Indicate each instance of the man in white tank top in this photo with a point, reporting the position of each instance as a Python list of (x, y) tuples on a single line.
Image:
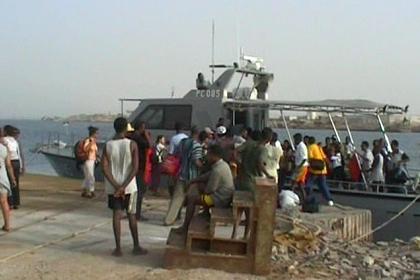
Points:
[(120, 165)]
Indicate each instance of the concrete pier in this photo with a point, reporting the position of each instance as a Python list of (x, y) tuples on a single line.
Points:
[(56, 234)]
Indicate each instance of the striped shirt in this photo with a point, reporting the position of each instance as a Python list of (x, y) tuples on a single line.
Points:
[(190, 152)]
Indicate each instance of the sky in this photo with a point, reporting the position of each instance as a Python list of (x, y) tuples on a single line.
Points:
[(80, 56)]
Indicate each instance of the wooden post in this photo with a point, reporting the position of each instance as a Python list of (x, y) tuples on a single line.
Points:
[(265, 206)]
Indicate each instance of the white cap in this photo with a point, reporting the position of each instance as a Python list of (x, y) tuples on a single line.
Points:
[(221, 130)]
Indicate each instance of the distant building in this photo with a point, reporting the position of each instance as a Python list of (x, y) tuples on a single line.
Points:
[(414, 120), (312, 116)]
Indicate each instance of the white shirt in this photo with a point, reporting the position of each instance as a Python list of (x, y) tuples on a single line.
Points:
[(4, 180), (336, 160), (159, 152), (175, 140), (367, 160), (377, 174), (121, 163), (273, 157), (288, 199), (277, 144), (238, 140), (350, 148), (13, 146), (301, 154)]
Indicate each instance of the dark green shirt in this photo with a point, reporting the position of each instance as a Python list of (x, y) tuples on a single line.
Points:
[(250, 154)]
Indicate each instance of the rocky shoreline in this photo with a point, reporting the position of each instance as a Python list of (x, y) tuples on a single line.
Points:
[(300, 252)]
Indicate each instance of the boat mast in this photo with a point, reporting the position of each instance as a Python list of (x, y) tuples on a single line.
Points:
[(382, 127), (122, 107), (292, 144), (212, 52), (335, 129)]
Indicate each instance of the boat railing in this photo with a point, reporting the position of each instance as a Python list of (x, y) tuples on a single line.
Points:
[(374, 187), (56, 143)]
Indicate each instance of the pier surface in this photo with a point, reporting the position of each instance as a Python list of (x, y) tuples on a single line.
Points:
[(56, 234)]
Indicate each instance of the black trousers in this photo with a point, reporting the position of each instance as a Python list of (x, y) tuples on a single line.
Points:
[(141, 191), (14, 200)]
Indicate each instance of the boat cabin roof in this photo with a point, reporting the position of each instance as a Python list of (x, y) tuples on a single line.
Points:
[(357, 106)]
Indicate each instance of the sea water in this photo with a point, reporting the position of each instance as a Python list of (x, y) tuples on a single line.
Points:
[(36, 132)]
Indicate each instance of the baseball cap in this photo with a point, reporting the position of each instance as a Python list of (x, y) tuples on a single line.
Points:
[(221, 130), (130, 128)]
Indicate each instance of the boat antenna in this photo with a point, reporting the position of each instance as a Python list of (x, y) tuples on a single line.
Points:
[(238, 47), (212, 51), (172, 92)]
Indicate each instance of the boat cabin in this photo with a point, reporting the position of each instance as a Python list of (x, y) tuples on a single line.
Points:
[(205, 105)]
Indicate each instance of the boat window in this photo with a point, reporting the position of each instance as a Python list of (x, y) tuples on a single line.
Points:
[(153, 116), (177, 113), (165, 116)]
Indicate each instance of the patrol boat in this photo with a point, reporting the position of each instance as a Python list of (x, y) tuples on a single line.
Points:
[(239, 96), (202, 106), (249, 106)]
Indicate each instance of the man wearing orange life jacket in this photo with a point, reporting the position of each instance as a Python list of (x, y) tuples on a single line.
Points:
[(317, 171)]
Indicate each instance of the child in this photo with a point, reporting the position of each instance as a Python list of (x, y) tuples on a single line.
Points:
[(160, 151)]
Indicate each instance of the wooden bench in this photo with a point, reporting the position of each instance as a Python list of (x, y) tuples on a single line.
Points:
[(200, 247), (243, 202), (198, 234)]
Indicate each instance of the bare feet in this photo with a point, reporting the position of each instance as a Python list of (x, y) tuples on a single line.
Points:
[(137, 251), (117, 253), (6, 229), (90, 195)]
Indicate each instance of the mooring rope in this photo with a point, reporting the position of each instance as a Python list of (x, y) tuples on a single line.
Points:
[(388, 221)]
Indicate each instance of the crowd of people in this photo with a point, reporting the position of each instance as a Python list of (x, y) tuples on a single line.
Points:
[(205, 167)]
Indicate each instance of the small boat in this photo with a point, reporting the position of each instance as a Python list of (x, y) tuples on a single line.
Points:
[(60, 144), (63, 161)]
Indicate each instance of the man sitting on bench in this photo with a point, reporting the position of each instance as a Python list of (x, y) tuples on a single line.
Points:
[(215, 188)]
